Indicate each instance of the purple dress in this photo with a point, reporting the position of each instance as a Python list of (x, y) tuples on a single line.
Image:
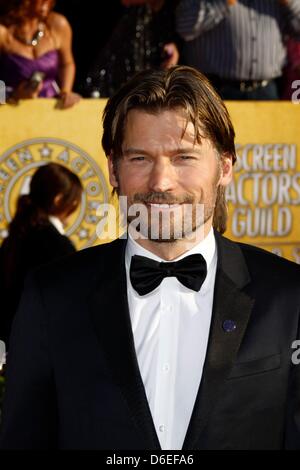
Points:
[(14, 68)]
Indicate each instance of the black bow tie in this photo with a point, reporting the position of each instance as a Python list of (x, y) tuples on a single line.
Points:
[(147, 274)]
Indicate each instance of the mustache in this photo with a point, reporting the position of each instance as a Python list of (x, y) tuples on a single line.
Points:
[(162, 198)]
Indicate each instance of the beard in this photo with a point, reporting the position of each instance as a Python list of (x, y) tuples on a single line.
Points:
[(179, 218)]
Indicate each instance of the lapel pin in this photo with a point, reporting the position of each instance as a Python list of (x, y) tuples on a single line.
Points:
[(229, 326)]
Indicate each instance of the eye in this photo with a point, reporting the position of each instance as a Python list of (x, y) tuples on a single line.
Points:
[(137, 159), (187, 157)]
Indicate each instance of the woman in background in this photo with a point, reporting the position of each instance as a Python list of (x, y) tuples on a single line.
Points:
[(36, 233), (36, 57)]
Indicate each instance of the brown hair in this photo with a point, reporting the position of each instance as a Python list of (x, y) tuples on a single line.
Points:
[(18, 11), (47, 183), (179, 87)]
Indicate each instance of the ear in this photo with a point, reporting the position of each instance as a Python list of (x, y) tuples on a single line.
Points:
[(226, 170), (112, 173)]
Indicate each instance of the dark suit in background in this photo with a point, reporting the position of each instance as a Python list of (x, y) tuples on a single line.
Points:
[(92, 23), (41, 244), (73, 379)]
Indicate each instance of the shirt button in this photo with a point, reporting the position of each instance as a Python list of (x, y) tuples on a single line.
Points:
[(161, 428), (166, 368)]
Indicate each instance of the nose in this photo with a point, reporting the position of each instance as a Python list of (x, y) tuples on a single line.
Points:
[(162, 177)]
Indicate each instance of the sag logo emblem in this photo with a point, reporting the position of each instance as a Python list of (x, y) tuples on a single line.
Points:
[(18, 163)]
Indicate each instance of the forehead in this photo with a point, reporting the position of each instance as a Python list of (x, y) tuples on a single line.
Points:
[(166, 126)]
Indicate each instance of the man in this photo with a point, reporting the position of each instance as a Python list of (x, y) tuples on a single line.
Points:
[(161, 341), (239, 44)]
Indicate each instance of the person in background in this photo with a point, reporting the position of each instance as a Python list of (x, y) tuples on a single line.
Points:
[(36, 233), (36, 57), (291, 72), (238, 44), (88, 37), (144, 38)]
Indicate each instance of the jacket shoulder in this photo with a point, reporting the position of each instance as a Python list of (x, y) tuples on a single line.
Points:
[(81, 266), (256, 254), (263, 264)]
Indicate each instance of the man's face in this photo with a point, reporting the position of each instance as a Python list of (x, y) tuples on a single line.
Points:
[(163, 169)]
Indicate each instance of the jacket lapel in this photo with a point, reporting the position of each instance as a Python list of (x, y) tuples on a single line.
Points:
[(230, 303), (110, 314)]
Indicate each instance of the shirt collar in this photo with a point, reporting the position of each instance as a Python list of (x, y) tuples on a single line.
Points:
[(207, 248), (57, 224)]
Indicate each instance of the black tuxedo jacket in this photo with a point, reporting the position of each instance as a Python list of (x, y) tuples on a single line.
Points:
[(73, 380)]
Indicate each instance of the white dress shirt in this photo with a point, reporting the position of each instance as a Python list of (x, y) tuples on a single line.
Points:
[(170, 327), (57, 224)]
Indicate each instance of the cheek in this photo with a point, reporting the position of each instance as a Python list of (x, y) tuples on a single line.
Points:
[(195, 178), (131, 182)]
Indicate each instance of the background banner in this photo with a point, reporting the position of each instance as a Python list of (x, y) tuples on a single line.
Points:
[(264, 198)]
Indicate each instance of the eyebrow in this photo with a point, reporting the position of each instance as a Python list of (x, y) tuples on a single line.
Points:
[(136, 151)]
